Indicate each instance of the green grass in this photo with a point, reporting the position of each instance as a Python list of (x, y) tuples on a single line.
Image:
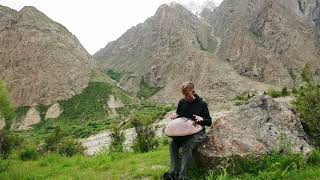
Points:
[(103, 166), (151, 165)]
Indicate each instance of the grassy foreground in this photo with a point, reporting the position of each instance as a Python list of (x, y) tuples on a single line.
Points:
[(129, 165)]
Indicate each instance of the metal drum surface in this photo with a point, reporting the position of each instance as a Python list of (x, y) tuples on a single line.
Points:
[(181, 127)]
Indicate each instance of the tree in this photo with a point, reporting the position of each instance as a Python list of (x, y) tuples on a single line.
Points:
[(7, 108)]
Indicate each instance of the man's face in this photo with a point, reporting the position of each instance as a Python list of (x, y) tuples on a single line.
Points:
[(188, 95)]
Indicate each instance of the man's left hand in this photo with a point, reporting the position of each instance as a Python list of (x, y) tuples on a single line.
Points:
[(198, 118)]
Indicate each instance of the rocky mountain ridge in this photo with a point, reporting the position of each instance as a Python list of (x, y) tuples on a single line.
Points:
[(41, 61), (169, 48)]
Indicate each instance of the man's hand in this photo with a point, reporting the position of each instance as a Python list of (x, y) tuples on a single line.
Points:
[(198, 118), (174, 116)]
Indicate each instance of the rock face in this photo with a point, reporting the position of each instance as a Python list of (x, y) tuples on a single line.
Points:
[(113, 103), (251, 130), (169, 48), (264, 39), (40, 60), (25, 122), (54, 111)]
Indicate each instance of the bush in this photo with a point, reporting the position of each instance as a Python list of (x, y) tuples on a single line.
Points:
[(274, 93), (285, 92), (70, 147), (51, 142), (8, 142), (29, 153), (146, 139), (59, 142), (117, 140)]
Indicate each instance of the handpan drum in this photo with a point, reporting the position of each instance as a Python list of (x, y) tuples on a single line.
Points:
[(181, 127)]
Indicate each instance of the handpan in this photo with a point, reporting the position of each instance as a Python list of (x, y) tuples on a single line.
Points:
[(181, 127)]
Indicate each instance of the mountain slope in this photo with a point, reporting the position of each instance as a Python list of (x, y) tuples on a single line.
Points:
[(265, 39), (169, 48), (41, 61)]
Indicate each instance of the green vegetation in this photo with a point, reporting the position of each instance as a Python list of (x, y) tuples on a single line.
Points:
[(91, 103), (7, 108), (307, 102), (146, 139), (115, 75), (131, 165), (275, 94), (243, 97), (29, 153), (117, 140), (147, 91), (255, 34)]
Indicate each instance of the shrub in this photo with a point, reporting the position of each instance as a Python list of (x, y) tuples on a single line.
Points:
[(274, 93), (146, 139), (8, 142), (29, 153), (285, 92), (117, 140), (51, 142), (59, 142), (70, 147)]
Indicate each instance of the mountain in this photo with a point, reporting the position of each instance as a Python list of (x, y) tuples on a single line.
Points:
[(173, 46), (265, 40), (40, 60)]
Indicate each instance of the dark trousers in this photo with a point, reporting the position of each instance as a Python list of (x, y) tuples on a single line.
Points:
[(187, 144)]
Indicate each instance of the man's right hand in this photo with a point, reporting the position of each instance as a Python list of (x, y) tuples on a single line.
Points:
[(174, 116)]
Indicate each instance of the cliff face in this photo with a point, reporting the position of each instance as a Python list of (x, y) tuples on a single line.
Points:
[(169, 48), (264, 39), (40, 60)]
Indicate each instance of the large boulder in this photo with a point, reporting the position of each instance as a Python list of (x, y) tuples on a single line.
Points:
[(26, 122), (251, 130), (54, 111)]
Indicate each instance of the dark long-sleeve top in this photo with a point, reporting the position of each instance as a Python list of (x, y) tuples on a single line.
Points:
[(196, 107)]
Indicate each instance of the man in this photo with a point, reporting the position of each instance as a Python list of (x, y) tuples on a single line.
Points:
[(193, 107)]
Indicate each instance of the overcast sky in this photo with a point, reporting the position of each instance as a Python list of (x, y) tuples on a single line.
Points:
[(95, 22)]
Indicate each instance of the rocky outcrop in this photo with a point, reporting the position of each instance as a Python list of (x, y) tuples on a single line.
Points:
[(53, 111), (169, 48), (40, 60), (264, 39), (26, 122), (252, 130), (113, 103)]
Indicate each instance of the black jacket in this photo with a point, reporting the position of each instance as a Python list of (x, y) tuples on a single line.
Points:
[(196, 107)]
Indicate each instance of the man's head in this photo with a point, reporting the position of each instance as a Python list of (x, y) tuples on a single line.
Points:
[(187, 90)]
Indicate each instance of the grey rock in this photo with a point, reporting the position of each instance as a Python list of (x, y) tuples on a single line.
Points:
[(250, 130)]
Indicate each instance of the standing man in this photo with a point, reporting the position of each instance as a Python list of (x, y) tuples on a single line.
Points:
[(193, 107)]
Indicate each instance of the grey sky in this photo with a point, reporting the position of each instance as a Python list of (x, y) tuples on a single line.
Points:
[(95, 22)]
